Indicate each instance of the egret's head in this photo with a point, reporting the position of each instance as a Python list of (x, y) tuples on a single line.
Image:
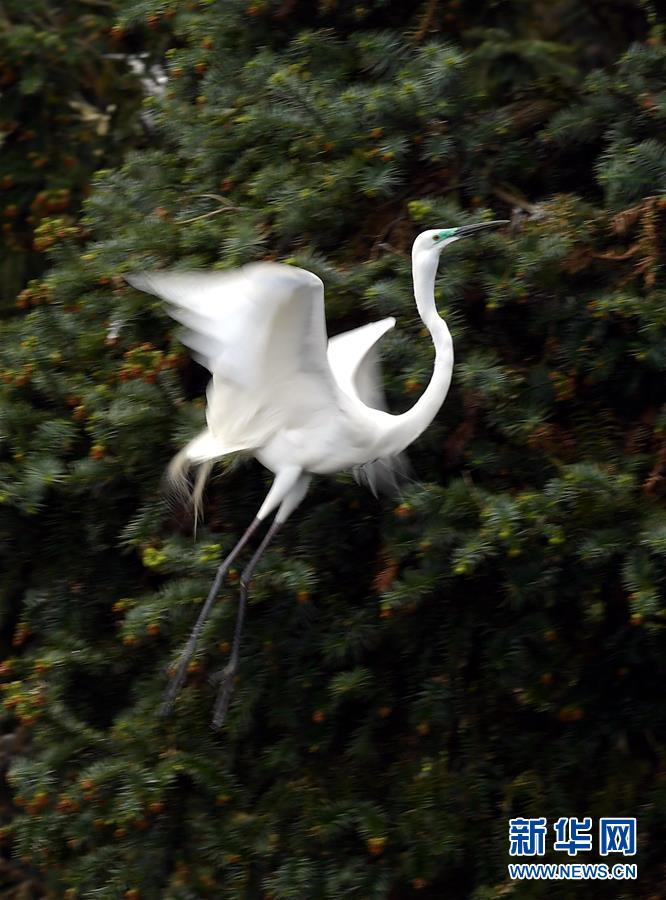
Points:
[(433, 242)]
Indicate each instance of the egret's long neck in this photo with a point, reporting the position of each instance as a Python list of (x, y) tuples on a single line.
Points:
[(408, 426)]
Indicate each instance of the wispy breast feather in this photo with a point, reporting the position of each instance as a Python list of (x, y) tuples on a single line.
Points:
[(356, 366)]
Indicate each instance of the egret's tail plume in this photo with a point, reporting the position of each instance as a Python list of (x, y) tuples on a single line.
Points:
[(181, 485), (202, 452)]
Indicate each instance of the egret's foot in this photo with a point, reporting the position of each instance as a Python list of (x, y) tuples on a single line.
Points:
[(179, 679), (224, 697)]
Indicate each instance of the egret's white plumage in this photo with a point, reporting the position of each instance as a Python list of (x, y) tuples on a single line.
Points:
[(281, 391)]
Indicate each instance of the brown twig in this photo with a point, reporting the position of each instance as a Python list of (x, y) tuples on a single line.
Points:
[(514, 200), (101, 4), (427, 21), (656, 476), (225, 206)]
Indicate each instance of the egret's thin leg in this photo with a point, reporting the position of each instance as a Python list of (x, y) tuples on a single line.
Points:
[(230, 670), (293, 487), (188, 651)]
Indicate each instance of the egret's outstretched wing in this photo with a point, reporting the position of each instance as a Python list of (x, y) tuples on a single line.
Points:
[(248, 326), (261, 332), (355, 363)]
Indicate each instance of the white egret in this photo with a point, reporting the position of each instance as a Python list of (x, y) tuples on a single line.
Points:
[(302, 405)]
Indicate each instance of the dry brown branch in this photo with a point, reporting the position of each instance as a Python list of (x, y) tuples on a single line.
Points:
[(285, 9), (646, 249), (387, 572)]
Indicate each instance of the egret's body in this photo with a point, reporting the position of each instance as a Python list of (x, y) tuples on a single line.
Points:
[(303, 405)]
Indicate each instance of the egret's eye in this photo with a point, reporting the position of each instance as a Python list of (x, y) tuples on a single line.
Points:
[(445, 234)]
